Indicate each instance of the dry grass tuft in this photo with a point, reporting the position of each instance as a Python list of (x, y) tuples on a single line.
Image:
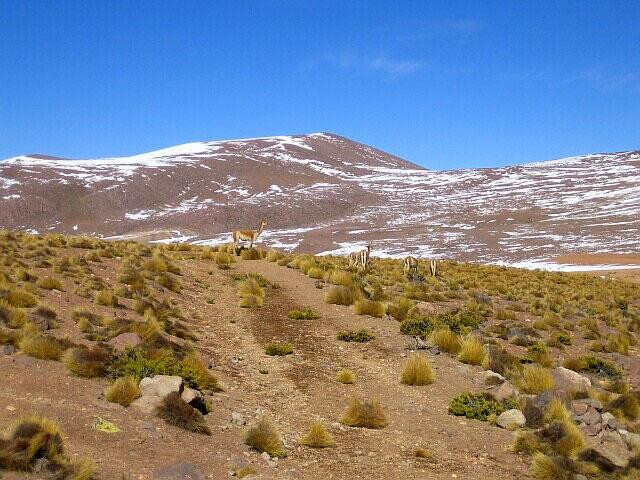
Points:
[(49, 283), (339, 295), (367, 414), (446, 340), (317, 436), (369, 307), (557, 411), (123, 391), (86, 362), (175, 411), (472, 351), (417, 371), (278, 349), (534, 379), (41, 346), (264, 437), (345, 376), (552, 468)]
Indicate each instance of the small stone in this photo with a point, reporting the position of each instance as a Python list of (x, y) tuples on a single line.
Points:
[(511, 418), (7, 349), (416, 343), (265, 456), (11, 408), (579, 408), (591, 417), (160, 385), (237, 419)]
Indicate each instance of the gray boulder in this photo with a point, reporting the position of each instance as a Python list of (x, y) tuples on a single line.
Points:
[(610, 454), (511, 418), (536, 406), (160, 385), (492, 378), (631, 439), (503, 391), (146, 403), (570, 381)]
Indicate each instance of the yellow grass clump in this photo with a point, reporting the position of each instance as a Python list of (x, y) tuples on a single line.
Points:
[(472, 351), (264, 437), (86, 362), (369, 307), (317, 436), (123, 391), (446, 340), (534, 379), (367, 414), (339, 295), (417, 371), (345, 376), (49, 283)]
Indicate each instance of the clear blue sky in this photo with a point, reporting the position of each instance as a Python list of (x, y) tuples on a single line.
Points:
[(443, 84)]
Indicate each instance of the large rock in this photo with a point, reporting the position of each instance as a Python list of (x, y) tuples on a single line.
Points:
[(536, 406), (492, 378), (511, 418), (631, 439), (160, 385), (146, 403), (125, 340), (503, 391), (611, 453), (195, 399), (179, 471), (570, 381)]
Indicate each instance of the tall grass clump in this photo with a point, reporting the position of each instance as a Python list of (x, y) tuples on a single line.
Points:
[(345, 376), (472, 351), (317, 436), (417, 371), (534, 379), (364, 413), (49, 283), (369, 307), (339, 295), (446, 340), (86, 362), (123, 391), (41, 346), (175, 411), (223, 260), (340, 277), (264, 437)]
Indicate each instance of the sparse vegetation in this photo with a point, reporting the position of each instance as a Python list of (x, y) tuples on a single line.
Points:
[(305, 314), (369, 307), (278, 349), (446, 340), (479, 406), (345, 376), (339, 295), (472, 351), (86, 362)]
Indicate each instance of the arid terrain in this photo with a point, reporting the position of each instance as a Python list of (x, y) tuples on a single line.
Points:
[(263, 339), (325, 193)]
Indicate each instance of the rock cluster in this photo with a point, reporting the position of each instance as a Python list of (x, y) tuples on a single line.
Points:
[(154, 389)]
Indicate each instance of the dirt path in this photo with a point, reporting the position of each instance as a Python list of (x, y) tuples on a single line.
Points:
[(468, 449)]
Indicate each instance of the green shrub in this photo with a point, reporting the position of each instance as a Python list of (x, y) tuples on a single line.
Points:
[(479, 406), (419, 325), (359, 336), (595, 365), (305, 314), (278, 349)]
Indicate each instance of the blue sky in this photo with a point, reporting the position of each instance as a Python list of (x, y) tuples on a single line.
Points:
[(442, 84)]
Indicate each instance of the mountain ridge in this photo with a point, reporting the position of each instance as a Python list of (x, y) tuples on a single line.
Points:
[(324, 193)]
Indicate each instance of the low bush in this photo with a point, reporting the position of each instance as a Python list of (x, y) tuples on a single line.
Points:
[(364, 413), (595, 365), (123, 391), (359, 336), (250, 254), (175, 411), (317, 436), (479, 406), (264, 437), (419, 325), (417, 371), (369, 307), (278, 349), (304, 314)]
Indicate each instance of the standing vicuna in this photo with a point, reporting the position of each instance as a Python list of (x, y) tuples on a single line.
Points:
[(360, 259), (410, 265), (433, 268), (246, 234)]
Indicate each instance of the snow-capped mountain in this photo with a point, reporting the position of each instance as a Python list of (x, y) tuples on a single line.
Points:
[(325, 193)]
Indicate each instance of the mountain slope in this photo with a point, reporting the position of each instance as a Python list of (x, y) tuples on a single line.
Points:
[(325, 193)]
